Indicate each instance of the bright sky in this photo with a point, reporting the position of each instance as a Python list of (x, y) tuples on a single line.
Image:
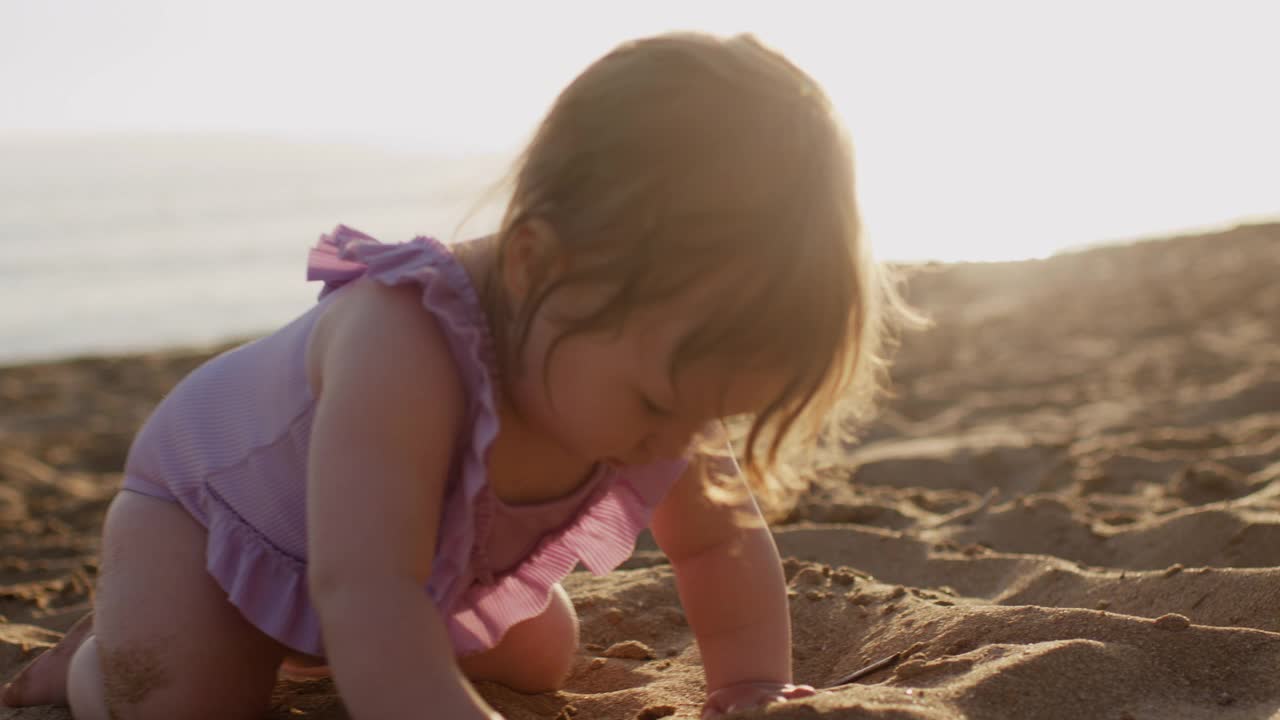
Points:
[(983, 129)]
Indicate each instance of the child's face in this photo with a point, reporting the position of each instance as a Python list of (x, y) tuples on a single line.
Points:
[(608, 396)]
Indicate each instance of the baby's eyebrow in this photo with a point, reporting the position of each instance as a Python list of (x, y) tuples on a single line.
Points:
[(708, 405), (661, 390), (669, 398)]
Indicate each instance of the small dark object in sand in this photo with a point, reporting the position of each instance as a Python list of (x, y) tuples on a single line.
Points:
[(873, 667)]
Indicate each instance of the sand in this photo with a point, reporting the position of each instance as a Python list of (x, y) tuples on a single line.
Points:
[(1068, 511)]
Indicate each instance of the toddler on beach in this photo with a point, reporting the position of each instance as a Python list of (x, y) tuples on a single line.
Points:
[(391, 488)]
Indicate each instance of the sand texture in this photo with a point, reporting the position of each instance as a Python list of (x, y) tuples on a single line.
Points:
[(1070, 510)]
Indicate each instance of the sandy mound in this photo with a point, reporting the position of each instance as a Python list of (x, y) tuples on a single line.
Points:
[(1067, 512)]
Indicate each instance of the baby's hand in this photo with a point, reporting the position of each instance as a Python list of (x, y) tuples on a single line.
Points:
[(747, 695)]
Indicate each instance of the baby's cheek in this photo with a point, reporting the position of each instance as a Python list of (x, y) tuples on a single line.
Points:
[(606, 432), (580, 423)]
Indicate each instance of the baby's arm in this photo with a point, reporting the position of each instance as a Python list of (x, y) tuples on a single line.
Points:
[(731, 584), (388, 411)]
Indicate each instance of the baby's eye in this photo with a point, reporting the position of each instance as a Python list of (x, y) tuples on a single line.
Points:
[(654, 408)]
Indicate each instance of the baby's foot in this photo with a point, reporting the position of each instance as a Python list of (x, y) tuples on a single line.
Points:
[(44, 680)]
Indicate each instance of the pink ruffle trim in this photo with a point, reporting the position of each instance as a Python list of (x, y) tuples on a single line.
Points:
[(261, 579)]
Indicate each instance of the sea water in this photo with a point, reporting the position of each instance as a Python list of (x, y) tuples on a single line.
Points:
[(126, 243)]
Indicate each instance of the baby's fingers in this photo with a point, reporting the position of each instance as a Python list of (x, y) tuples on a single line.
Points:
[(752, 695), (795, 692)]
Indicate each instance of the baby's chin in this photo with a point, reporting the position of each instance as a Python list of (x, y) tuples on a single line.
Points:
[(625, 461), (635, 460)]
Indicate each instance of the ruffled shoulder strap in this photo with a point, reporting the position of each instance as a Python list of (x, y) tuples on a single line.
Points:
[(447, 292)]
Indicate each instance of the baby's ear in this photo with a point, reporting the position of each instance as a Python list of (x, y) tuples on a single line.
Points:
[(531, 254)]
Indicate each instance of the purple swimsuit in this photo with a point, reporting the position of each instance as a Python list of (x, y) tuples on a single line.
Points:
[(229, 444)]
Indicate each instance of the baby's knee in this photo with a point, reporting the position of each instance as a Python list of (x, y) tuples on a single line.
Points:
[(136, 684), (560, 616), (559, 641), (535, 655), (547, 646), (85, 683), (114, 685)]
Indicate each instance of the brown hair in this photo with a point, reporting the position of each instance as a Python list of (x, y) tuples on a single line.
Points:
[(680, 155)]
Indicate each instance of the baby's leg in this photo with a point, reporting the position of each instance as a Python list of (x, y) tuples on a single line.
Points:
[(535, 655), (166, 642)]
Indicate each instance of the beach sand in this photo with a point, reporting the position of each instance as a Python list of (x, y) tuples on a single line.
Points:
[(1070, 510)]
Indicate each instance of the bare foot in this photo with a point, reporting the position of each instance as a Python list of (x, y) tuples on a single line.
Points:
[(44, 680)]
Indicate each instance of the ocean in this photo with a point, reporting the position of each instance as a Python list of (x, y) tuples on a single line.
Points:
[(129, 243)]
